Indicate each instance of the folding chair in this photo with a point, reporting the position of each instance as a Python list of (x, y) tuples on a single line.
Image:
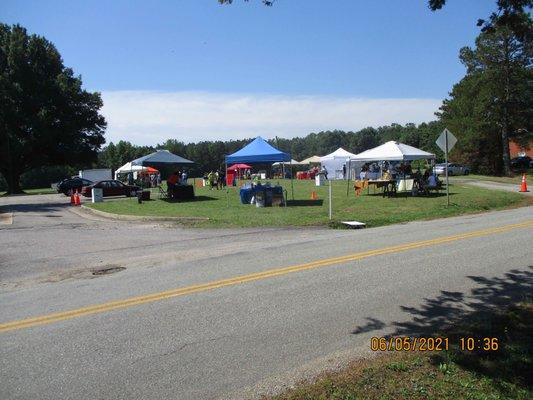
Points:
[(163, 194)]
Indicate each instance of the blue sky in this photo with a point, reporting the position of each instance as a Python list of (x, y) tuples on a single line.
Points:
[(183, 59)]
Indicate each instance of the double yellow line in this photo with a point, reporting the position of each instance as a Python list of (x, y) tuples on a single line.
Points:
[(134, 301)]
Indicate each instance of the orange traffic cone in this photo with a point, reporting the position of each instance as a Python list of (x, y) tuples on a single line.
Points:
[(314, 196), (77, 200), (523, 186), (72, 198)]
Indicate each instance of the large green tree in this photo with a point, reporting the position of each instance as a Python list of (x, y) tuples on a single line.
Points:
[(496, 95), (46, 117)]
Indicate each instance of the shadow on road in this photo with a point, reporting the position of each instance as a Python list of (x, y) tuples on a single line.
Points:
[(47, 207), (497, 307)]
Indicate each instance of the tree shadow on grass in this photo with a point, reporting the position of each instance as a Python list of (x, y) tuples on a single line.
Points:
[(410, 195), (194, 200), (495, 308), (305, 203)]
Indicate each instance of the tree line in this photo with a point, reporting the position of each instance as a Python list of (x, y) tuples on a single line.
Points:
[(209, 155)]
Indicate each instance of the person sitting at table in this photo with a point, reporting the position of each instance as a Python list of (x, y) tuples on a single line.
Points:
[(364, 172), (433, 180), (387, 176)]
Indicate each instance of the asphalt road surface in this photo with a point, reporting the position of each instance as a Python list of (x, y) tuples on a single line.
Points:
[(208, 314)]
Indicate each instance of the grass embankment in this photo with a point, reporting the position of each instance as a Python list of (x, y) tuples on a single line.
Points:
[(514, 180), (225, 210), (456, 374)]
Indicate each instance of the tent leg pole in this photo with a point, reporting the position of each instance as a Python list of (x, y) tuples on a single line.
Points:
[(330, 199), (348, 171), (292, 183), (226, 183)]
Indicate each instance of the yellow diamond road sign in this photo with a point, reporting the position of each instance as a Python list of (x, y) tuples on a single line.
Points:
[(441, 141)]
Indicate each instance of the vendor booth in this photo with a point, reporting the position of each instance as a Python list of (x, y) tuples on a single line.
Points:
[(236, 171), (336, 163), (258, 152), (391, 159), (164, 158), (136, 170), (286, 168)]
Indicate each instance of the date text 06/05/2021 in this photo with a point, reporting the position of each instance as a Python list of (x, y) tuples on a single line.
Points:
[(407, 343)]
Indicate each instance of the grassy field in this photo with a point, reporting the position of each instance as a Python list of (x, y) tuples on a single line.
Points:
[(454, 374), (223, 207)]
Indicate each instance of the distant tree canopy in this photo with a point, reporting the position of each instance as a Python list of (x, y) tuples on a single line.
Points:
[(46, 118), (209, 155)]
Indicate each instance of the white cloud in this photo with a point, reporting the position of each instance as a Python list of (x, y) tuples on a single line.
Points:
[(146, 117)]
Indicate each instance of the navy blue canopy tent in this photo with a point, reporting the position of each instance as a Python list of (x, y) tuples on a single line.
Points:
[(259, 152), (161, 158)]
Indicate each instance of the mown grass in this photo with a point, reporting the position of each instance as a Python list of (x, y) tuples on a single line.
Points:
[(455, 374), (223, 207)]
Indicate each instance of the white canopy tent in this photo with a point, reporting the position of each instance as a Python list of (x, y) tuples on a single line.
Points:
[(392, 151), (311, 160), (129, 168), (334, 163), (292, 162)]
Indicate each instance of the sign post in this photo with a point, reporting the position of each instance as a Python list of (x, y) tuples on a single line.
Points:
[(446, 141), (330, 198)]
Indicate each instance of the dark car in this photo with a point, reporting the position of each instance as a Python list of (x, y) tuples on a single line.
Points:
[(111, 188), (521, 163), (70, 185)]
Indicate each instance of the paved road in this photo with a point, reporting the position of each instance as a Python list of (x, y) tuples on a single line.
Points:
[(508, 187), (199, 314)]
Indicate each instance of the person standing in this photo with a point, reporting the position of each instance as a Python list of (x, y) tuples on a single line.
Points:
[(221, 179), (217, 179), (171, 183), (325, 172), (184, 178), (211, 179)]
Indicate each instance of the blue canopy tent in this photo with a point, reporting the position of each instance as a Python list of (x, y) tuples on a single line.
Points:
[(259, 152)]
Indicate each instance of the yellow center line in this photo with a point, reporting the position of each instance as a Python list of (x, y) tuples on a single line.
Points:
[(133, 301)]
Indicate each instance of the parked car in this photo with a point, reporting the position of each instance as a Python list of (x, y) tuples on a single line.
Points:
[(521, 163), (453, 169), (68, 185), (111, 188)]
